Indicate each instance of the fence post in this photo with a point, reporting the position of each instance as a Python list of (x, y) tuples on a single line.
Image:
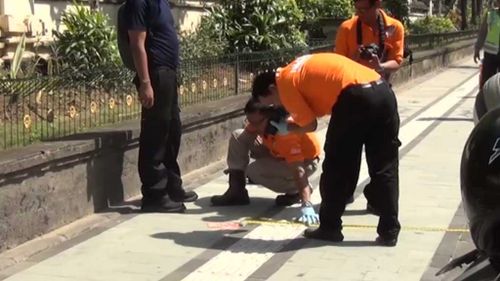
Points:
[(237, 74)]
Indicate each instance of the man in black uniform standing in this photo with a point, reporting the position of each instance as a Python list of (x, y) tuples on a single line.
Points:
[(155, 50)]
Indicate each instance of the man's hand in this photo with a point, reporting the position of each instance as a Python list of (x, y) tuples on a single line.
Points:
[(476, 56), (308, 214), (146, 95), (374, 63), (282, 126)]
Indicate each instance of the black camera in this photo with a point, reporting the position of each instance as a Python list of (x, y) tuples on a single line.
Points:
[(367, 52), (273, 113)]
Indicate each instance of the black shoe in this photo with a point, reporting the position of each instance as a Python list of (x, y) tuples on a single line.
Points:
[(386, 241), (231, 198), (370, 209), (328, 235), (287, 199), (180, 195), (164, 205)]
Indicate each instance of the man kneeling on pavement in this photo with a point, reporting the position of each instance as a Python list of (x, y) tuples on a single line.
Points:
[(283, 163)]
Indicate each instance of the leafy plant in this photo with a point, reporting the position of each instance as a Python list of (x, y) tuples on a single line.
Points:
[(255, 25), (432, 25), (205, 41), (88, 41), (337, 9), (18, 58), (397, 8)]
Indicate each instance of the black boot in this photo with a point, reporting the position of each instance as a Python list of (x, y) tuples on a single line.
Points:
[(322, 234), (236, 194)]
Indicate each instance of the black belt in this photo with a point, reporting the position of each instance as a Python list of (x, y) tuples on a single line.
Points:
[(369, 85), (365, 85)]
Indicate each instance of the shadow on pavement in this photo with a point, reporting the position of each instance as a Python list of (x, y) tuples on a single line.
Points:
[(249, 245), (258, 207)]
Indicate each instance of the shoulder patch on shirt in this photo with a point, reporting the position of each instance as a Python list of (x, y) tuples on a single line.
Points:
[(299, 62), (389, 30), (295, 150)]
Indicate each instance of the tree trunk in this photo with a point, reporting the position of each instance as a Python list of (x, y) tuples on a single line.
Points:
[(463, 12), (473, 19), (94, 4)]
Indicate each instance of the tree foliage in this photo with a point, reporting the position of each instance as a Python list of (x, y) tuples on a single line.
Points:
[(397, 8), (88, 42), (255, 25)]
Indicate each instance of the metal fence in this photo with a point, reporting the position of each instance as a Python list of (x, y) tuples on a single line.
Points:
[(48, 108)]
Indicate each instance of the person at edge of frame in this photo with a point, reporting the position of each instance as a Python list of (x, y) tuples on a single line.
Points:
[(488, 39)]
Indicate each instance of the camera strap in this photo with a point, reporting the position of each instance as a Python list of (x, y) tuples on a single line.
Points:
[(381, 37)]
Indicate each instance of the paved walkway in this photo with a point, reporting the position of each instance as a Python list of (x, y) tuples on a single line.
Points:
[(436, 114)]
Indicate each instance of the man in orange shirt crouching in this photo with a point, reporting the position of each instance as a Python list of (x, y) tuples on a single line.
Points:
[(363, 111), (283, 163)]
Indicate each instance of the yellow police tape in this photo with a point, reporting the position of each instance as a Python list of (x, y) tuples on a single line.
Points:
[(268, 221)]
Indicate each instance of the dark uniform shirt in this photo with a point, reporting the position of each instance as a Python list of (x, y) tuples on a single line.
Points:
[(155, 17)]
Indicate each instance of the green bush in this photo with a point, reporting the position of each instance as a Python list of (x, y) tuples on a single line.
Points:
[(255, 25), (205, 41), (397, 8), (432, 25), (88, 42), (314, 9)]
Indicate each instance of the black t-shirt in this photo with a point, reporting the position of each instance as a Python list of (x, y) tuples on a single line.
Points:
[(155, 17)]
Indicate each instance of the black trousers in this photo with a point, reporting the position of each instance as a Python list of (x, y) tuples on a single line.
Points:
[(491, 65), (362, 116), (160, 137)]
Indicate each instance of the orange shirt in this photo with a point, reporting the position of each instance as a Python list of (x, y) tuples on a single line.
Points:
[(346, 39), (291, 147), (310, 85)]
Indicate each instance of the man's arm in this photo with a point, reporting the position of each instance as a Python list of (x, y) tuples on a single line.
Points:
[(341, 43), (137, 46), (394, 56), (137, 32), (311, 127), (301, 180), (308, 215)]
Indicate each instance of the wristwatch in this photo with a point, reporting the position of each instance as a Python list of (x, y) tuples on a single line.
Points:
[(380, 70)]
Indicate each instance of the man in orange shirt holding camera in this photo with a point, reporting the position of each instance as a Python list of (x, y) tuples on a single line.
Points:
[(376, 40), (372, 38)]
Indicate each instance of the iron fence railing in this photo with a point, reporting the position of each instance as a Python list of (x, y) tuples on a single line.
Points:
[(51, 107), (429, 41)]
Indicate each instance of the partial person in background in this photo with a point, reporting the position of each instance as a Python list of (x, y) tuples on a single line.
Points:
[(372, 38), (375, 40), (488, 39)]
